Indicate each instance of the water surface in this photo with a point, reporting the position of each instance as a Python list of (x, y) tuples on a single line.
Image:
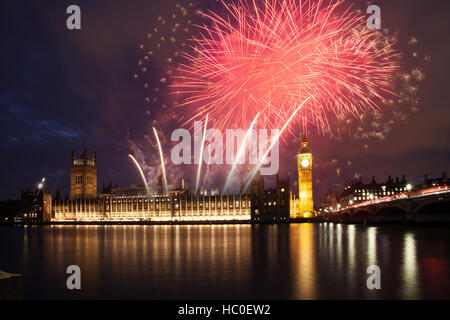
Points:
[(298, 261)]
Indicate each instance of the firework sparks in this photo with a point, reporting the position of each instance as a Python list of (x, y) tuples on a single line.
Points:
[(200, 160), (159, 55), (269, 57), (141, 173), (240, 154), (262, 59), (163, 168), (274, 140)]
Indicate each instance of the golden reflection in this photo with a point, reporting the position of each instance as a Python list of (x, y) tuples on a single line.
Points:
[(302, 257), (188, 255), (177, 250), (330, 242), (212, 259), (201, 250)]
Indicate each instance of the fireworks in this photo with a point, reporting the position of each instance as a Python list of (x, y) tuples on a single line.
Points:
[(164, 177), (140, 172), (254, 63), (269, 57), (200, 160), (160, 53), (240, 154), (252, 174)]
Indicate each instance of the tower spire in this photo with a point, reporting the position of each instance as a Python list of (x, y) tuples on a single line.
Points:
[(303, 208), (304, 136)]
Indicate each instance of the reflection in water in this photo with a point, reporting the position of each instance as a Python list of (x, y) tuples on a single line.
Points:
[(302, 251), (371, 246), (409, 268), (298, 261), (339, 252), (351, 247)]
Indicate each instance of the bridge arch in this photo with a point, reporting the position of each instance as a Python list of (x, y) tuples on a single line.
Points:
[(344, 217), (362, 212), (390, 214), (361, 215), (433, 211)]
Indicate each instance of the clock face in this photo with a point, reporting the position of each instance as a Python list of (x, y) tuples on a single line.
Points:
[(305, 163)]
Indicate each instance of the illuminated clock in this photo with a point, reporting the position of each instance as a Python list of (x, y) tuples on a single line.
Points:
[(305, 163)]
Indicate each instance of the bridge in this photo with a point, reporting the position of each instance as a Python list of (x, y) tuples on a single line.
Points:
[(426, 205)]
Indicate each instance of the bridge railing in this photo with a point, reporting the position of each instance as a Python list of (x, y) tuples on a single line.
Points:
[(405, 195)]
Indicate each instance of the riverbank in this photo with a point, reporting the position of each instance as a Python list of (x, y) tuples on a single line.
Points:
[(11, 286)]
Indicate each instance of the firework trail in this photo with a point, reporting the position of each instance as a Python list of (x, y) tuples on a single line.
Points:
[(141, 172), (252, 174), (200, 160), (267, 57), (159, 55), (270, 56), (166, 191), (240, 154)]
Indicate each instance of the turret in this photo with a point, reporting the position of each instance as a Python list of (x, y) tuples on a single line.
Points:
[(83, 176)]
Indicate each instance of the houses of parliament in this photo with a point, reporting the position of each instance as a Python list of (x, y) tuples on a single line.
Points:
[(135, 204)]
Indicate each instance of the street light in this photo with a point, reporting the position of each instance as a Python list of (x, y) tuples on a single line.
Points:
[(41, 184), (409, 187)]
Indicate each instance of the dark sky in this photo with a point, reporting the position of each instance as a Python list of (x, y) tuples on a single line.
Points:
[(60, 86)]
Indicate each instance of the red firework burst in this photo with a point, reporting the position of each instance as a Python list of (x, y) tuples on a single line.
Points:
[(268, 57)]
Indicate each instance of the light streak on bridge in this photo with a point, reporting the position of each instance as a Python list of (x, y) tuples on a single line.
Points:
[(401, 196)]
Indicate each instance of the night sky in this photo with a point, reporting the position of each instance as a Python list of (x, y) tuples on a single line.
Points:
[(59, 87)]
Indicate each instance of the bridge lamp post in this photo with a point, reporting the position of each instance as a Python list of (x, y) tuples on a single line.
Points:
[(409, 187)]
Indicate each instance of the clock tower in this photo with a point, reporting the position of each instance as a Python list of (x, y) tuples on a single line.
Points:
[(305, 192)]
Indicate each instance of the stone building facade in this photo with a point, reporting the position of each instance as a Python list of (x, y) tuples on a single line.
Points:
[(83, 176), (134, 204)]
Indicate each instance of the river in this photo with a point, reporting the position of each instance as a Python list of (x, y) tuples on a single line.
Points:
[(297, 261)]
